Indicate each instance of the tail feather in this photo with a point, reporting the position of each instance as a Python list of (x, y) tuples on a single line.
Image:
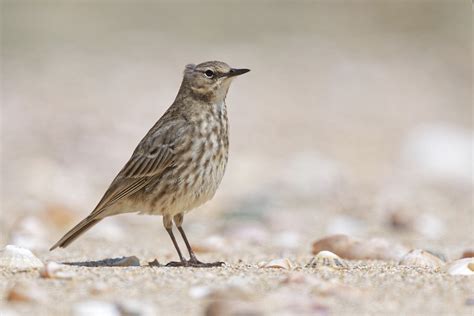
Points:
[(75, 232)]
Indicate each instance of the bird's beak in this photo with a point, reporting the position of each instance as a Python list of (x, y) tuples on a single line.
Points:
[(237, 72)]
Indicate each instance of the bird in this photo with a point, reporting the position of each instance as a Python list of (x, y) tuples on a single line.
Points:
[(179, 163)]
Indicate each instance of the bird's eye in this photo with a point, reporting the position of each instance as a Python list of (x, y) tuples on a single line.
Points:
[(209, 73)]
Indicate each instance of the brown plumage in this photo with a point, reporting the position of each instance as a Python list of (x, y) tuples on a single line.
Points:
[(180, 162)]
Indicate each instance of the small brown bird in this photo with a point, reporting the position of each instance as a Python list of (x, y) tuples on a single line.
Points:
[(180, 162)]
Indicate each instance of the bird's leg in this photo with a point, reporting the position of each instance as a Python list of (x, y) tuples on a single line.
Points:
[(168, 223), (193, 261)]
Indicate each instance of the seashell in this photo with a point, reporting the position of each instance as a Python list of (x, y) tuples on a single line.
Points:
[(461, 267), (327, 259), (19, 259), (351, 248), (95, 308), (421, 258), (54, 270), (467, 254), (282, 263)]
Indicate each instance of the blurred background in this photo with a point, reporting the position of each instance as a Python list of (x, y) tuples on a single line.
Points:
[(355, 119)]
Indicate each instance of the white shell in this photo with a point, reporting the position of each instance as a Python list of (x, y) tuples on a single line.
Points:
[(327, 259), (20, 259), (461, 267), (421, 258), (282, 263)]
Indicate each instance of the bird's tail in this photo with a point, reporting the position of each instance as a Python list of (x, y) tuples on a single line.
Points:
[(78, 230)]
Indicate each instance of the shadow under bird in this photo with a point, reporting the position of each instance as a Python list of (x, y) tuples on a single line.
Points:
[(180, 162)]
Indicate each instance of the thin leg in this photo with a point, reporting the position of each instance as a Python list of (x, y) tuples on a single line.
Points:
[(193, 261), (170, 232), (169, 228)]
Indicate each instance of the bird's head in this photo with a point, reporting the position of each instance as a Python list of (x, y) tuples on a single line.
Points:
[(210, 80)]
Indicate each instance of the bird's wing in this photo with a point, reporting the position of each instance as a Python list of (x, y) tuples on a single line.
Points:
[(153, 155)]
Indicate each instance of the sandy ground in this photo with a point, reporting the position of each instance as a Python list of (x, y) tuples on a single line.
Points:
[(367, 288), (355, 119)]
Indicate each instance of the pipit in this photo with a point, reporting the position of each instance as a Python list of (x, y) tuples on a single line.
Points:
[(180, 162)]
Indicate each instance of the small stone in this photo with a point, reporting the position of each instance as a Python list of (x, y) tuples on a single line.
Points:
[(461, 267), (19, 259), (421, 258)]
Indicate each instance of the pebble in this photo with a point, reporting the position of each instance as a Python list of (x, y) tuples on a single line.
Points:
[(421, 258), (19, 259)]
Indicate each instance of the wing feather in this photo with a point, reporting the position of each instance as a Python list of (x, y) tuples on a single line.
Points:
[(153, 155)]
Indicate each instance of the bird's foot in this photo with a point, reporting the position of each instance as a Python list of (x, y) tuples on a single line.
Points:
[(198, 264), (195, 264)]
